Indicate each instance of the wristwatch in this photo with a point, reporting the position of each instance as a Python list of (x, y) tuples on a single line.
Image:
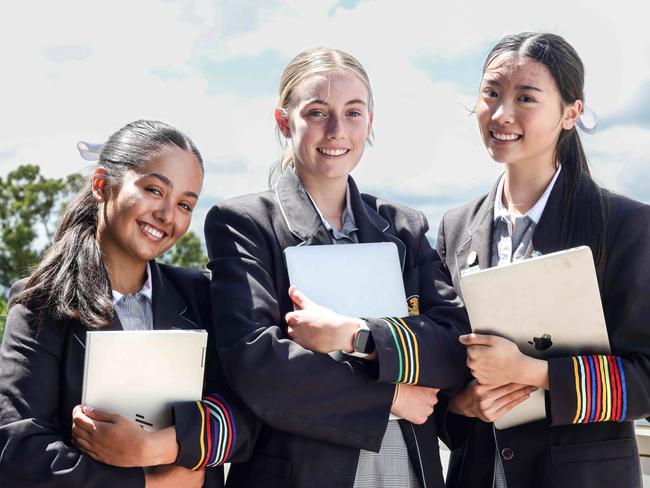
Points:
[(363, 342)]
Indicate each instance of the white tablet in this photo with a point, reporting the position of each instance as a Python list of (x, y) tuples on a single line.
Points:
[(357, 280), (548, 305), (140, 374)]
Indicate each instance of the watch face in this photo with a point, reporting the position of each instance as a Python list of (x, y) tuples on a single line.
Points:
[(363, 342)]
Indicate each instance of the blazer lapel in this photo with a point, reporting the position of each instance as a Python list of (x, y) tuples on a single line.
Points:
[(167, 304), (475, 249), (298, 211), (372, 226), (546, 238)]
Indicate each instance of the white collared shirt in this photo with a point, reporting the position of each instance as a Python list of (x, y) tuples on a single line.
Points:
[(535, 213), (145, 290), (135, 311)]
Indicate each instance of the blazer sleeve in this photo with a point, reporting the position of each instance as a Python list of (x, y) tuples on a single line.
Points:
[(616, 387), (213, 431), (219, 428), (288, 387), (33, 450), (423, 349)]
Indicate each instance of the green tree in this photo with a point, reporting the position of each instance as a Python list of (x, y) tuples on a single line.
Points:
[(187, 252), (30, 205)]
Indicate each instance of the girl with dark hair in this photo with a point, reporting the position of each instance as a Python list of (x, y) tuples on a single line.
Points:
[(327, 421), (531, 99), (100, 274)]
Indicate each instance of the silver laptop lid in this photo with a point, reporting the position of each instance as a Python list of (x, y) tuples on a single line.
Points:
[(548, 305), (357, 280), (139, 374)]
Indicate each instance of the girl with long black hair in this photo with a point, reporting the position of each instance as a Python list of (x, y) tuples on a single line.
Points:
[(100, 274), (530, 103)]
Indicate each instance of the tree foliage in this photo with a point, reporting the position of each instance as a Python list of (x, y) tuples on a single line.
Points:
[(187, 253), (30, 205)]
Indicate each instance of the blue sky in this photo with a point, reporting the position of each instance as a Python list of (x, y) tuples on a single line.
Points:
[(78, 70)]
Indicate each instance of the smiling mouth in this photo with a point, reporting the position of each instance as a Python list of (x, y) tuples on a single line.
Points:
[(333, 152), (152, 232), (503, 136)]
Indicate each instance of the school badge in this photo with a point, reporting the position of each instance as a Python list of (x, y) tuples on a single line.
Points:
[(413, 303)]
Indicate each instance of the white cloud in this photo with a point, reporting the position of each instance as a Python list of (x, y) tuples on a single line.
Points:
[(79, 70)]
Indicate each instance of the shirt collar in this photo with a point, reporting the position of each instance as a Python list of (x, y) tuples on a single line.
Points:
[(347, 212), (535, 213), (145, 290)]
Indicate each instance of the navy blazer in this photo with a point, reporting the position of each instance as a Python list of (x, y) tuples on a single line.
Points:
[(317, 412), (588, 437), (41, 372)]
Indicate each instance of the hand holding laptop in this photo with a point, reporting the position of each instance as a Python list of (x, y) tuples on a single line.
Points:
[(497, 361), (113, 439), (318, 328)]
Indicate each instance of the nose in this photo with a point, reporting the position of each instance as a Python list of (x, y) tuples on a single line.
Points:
[(163, 212), (335, 129), (503, 113)]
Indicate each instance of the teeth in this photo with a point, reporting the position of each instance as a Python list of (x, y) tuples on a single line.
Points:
[(333, 152), (151, 231), (505, 137)]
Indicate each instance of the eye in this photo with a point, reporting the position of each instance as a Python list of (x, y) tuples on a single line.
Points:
[(154, 190), (490, 92), (316, 113), (526, 99), (185, 206), (355, 113)]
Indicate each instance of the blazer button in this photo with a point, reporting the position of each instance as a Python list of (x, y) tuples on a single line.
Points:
[(471, 259), (507, 453)]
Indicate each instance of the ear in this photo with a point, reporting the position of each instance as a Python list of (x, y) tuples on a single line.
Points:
[(371, 118), (282, 119), (571, 115), (99, 184)]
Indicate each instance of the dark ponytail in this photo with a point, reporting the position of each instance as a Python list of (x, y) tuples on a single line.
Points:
[(584, 215), (71, 280)]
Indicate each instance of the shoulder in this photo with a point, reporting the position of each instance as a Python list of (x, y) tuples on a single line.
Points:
[(253, 205), (179, 273), (17, 287), (626, 215), (397, 214), (621, 206), (184, 278), (456, 221)]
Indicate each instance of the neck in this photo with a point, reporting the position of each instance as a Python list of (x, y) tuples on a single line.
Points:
[(524, 185), (126, 275), (329, 196)]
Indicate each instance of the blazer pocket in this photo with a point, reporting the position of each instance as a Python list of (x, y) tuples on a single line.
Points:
[(604, 463)]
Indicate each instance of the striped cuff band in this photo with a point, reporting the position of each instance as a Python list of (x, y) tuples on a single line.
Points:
[(408, 355), (601, 394), (218, 431)]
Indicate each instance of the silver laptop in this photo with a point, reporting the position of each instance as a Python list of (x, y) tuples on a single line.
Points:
[(139, 374), (548, 305), (357, 280)]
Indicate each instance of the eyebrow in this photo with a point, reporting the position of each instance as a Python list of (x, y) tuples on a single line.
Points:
[(168, 183), (349, 102), (495, 82)]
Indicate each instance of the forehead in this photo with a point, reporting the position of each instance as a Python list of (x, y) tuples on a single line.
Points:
[(513, 69), (332, 87), (181, 167)]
